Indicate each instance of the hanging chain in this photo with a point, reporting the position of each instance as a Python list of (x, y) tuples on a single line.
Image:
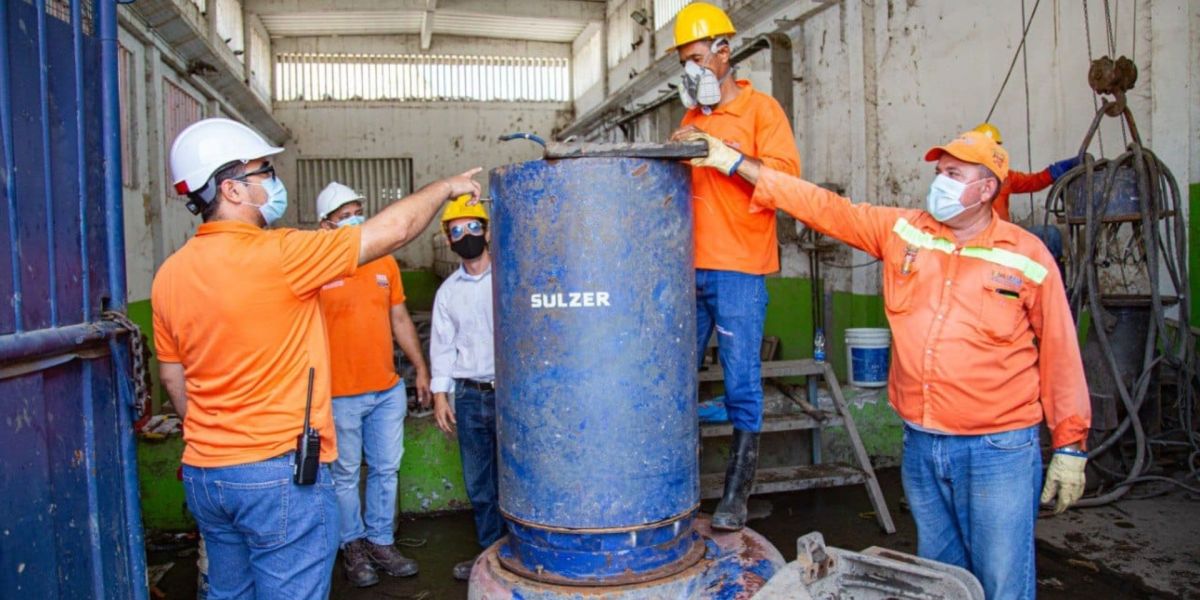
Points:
[(1108, 24), (1112, 51), (1087, 33), (141, 358)]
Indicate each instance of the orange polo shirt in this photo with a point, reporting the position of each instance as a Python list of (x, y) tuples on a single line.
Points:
[(728, 236), (1019, 183), (237, 307), (358, 317), (983, 338)]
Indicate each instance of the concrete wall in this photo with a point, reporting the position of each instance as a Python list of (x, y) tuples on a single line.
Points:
[(441, 138)]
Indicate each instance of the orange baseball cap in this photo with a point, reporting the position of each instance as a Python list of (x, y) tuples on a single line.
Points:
[(974, 147)]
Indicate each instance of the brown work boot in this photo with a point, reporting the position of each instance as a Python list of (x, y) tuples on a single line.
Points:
[(462, 570), (390, 560), (357, 565)]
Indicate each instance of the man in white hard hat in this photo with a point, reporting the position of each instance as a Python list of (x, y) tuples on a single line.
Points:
[(364, 315), (243, 352)]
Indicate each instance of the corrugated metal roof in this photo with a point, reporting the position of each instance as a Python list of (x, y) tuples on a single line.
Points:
[(404, 21)]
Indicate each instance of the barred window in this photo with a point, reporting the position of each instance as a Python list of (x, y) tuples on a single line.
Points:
[(229, 26), (381, 180), (316, 77), (260, 63), (665, 10), (180, 109), (128, 104), (61, 9), (622, 33)]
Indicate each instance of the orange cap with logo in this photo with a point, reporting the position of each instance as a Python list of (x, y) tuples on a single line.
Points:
[(974, 147)]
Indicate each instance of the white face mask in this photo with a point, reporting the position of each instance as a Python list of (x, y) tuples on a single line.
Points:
[(944, 199)]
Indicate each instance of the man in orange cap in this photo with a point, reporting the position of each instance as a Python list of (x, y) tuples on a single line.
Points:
[(985, 346), (734, 247)]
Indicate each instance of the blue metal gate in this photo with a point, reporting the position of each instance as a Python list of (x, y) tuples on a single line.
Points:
[(70, 524)]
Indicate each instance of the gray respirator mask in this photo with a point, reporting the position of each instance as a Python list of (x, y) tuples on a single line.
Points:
[(699, 86)]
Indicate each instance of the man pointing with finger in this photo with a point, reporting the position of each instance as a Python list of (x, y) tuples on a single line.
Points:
[(239, 334)]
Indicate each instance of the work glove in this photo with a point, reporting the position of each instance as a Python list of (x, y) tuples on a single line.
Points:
[(1060, 168), (720, 156), (1064, 479)]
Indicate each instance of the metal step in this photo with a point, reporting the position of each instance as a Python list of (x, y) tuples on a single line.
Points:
[(777, 422), (788, 479)]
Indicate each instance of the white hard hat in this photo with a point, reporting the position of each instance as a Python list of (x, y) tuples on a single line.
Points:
[(333, 197), (205, 146)]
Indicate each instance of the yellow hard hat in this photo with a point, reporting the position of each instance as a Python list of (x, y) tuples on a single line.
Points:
[(459, 209), (990, 130), (700, 21)]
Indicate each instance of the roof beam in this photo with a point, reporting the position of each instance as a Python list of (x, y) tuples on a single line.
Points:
[(571, 10), (427, 24)]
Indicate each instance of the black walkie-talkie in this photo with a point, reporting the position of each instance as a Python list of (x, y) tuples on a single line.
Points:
[(308, 444)]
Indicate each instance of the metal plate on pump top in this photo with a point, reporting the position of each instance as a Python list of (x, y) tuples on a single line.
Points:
[(670, 150)]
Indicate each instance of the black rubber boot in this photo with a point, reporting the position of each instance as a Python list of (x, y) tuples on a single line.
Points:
[(739, 478)]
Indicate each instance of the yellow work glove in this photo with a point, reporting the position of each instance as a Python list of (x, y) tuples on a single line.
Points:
[(720, 157), (1064, 479)]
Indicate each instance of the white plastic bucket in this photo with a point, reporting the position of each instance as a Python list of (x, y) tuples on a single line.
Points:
[(868, 353)]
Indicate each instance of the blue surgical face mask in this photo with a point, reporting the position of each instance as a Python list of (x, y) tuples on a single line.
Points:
[(352, 221), (944, 199), (277, 200)]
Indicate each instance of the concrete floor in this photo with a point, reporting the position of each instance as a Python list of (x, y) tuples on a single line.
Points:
[(1155, 540), (1111, 553)]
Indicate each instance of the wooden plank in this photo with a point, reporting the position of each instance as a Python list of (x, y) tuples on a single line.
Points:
[(772, 369), (788, 479), (777, 422)]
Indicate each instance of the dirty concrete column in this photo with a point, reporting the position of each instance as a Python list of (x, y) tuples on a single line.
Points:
[(864, 125)]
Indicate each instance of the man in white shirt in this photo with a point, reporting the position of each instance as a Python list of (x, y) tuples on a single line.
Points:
[(462, 360)]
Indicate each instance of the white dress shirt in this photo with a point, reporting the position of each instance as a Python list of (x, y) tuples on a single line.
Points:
[(460, 346)]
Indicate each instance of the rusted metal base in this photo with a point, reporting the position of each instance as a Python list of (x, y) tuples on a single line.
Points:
[(735, 566)]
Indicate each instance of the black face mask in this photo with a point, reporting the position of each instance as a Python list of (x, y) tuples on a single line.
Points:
[(469, 246)]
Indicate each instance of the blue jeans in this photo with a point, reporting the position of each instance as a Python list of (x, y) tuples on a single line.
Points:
[(735, 304), (371, 424), (475, 412), (266, 537), (975, 501)]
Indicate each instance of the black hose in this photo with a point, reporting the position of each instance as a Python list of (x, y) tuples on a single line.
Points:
[(1165, 250)]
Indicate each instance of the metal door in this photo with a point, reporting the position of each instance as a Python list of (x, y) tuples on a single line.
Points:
[(70, 523)]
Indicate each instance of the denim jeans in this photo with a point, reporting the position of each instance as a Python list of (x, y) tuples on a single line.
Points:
[(475, 412), (266, 536), (735, 304), (370, 424), (975, 501)]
